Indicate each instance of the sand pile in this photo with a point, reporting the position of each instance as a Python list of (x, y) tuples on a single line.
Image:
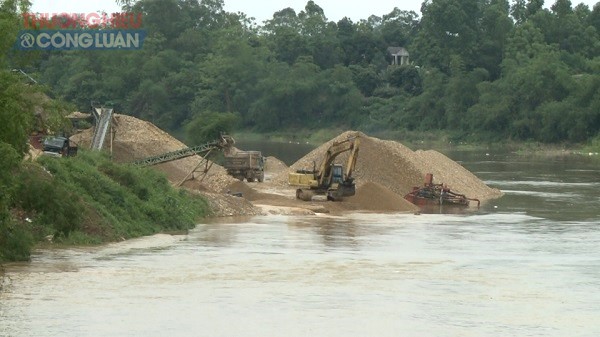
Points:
[(372, 196), (228, 205), (455, 176), (274, 166), (241, 187), (398, 168), (136, 139)]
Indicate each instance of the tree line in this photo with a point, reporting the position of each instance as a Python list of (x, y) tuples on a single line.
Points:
[(479, 70)]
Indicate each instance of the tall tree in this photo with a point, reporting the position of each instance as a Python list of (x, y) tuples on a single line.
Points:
[(518, 11), (228, 76), (283, 36), (398, 28), (320, 35), (533, 6), (594, 18), (495, 26), (448, 27)]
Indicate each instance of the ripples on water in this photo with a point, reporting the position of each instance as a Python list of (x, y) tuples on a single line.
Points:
[(485, 274), (527, 264)]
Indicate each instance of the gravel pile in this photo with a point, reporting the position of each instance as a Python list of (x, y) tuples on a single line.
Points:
[(374, 197), (398, 168), (227, 205), (455, 176), (274, 166)]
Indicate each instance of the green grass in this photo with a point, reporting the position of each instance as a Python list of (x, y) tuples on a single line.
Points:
[(593, 147), (88, 199)]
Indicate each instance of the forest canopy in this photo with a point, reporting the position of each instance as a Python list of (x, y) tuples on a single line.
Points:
[(477, 69)]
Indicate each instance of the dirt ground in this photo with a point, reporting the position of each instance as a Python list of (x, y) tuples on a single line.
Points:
[(385, 172)]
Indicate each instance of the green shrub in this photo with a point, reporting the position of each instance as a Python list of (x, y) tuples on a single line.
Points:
[(54, 204), (139, 201), (15, 240), (88, 199)]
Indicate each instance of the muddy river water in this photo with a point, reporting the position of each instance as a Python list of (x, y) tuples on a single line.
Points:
[(527, 264)]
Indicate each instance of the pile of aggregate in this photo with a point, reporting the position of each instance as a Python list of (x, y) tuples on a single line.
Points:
[(396, 167)]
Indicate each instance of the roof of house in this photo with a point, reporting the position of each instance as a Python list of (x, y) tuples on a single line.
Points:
[(400, 51)]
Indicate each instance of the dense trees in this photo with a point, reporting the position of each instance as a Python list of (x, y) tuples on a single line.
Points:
[(484, 69)]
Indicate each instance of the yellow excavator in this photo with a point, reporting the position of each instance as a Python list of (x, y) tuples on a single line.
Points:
[(330, 179)]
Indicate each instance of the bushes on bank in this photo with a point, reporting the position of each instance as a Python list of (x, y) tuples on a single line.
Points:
[(90, 199)]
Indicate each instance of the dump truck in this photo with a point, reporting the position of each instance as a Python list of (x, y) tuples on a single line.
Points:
[(330, 179), (59, 147), (249, 165)]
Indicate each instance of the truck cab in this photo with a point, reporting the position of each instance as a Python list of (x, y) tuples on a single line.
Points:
[(58, 147)]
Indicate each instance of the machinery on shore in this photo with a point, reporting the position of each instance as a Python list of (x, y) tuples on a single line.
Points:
[(249, 165), (431, 194), (330, 179), (224, 142), (59, 147), (239, 164)]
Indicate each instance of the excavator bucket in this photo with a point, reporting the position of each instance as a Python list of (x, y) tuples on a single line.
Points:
[(342, 191)]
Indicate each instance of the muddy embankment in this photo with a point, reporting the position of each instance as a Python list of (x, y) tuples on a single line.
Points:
[(385, 172)]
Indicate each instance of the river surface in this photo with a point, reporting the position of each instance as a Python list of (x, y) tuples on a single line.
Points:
[(527, 264)]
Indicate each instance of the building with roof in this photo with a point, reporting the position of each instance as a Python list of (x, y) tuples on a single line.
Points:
[(400, 55)]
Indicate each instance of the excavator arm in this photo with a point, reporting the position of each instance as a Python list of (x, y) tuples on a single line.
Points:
[(352, 159), (329, 179), (337, 148)]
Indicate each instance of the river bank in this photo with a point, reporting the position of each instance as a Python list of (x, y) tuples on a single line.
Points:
[(98, 199), (416, 140), (89, 199)]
